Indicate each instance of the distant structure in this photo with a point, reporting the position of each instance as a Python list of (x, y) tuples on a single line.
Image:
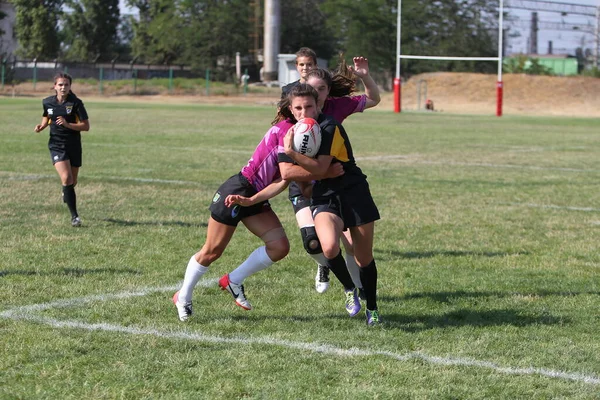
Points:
[(271, 41), (8, 41)]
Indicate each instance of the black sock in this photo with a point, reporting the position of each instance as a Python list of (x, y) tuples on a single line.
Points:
[(337, 265), (368, 277), (71, 199)]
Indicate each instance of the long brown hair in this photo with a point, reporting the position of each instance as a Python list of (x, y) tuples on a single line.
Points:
[(283, 107)]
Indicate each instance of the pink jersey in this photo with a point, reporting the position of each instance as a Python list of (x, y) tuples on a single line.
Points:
[(341, 107), (263, 169)]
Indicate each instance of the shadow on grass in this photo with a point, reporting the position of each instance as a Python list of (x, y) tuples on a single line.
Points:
[(466, 317), (122, 222), (446, 253), (72, 272)]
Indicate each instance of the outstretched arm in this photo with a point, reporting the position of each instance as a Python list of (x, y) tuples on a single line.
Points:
[(267, 193), (361, 69), (43, 125)]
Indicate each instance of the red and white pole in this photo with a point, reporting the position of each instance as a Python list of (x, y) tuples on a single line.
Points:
[(397, 95), (499, 99)]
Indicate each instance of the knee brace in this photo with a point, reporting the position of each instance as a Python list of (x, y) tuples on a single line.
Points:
[(310, 240)]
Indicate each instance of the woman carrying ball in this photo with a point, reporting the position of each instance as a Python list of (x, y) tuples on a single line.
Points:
[(67, 117), (336, 99), (338, 204)]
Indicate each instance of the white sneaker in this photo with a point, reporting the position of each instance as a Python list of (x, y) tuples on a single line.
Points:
[(76, 221), (237, 291), (322, 279), (183, 309)]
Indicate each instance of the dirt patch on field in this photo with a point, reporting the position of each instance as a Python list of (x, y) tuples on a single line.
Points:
[(464, 93)]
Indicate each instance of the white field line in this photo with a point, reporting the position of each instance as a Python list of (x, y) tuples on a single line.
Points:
[(28, 313), (553, 207), (408, 159), (28, 177)]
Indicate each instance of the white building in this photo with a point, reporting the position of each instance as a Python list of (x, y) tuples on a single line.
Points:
[(8, 40)]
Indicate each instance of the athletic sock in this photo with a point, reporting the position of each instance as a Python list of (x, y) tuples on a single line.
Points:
[(368, 276), (193, 273), (337, 265), (319, 258), (257, 261), (71, 199), (353, 270)]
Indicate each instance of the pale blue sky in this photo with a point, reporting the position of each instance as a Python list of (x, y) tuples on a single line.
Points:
[(562, 41)]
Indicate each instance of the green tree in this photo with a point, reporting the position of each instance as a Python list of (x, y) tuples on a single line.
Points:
[(90, 30), (303, 24), (157, 34), (37, 28), (441, 27)]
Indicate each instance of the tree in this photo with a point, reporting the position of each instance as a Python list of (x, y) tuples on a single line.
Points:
[(303, 24), (90, 30), (37, 28), (158, 32)]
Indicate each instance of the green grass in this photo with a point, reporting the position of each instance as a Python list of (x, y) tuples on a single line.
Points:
[(487, 250)]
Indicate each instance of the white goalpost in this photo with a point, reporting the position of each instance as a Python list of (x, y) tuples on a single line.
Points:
[(399, 56)]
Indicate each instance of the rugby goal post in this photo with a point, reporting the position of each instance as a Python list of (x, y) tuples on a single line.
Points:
[(399, 56)]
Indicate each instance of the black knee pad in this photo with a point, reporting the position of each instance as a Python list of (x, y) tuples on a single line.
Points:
[(310, 240)]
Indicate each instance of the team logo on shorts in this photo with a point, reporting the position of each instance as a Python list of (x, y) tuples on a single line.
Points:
[(69, 109), (217, 197), (235, 211), (55, 158), (50, 111)]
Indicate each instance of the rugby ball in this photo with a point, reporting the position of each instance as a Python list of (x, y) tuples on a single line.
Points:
[(307, 137)]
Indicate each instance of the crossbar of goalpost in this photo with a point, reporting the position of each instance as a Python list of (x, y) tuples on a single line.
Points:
[(398, 81)]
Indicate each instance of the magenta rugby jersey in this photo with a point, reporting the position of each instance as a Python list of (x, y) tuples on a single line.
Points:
[(262, 168)]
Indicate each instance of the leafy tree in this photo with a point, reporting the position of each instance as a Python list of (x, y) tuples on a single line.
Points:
[(37, 28), (303, 24), (90, 30), (158, 32)]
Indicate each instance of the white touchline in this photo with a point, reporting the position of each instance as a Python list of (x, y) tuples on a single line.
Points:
[(28, 313), (409, 159), (551, 206)]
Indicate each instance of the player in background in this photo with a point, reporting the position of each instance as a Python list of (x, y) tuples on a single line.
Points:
[(67, 117), (306, 59), (339, 203), (244, 198), (336, 99)]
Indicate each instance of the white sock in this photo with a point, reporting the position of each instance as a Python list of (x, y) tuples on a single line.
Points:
[(193, 273), (354, 270), (257, 261), (319, 258)]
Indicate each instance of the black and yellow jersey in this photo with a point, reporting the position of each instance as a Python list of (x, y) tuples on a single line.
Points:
[(335, 143), (72, 109)]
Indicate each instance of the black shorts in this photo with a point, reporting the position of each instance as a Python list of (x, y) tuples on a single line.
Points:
[(299, 202), (237, 184), (355, 205), (63, 152)]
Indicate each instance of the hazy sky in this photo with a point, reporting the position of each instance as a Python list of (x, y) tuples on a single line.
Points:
[(562, 41)]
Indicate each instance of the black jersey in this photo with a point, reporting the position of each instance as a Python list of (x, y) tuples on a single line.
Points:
[(72, 109), (288, 88), (335, 142)]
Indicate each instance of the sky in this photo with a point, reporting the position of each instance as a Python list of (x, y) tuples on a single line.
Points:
[(563, 42)]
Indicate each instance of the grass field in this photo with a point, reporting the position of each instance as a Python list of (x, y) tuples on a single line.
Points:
[(489, 269)]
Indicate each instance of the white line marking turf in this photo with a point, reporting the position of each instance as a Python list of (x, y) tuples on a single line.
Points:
[(28, 313)]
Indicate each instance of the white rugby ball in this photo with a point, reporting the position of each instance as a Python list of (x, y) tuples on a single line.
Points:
[(307, 137)]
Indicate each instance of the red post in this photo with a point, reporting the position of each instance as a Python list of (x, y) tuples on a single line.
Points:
[(397, 95), (499, 99)]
